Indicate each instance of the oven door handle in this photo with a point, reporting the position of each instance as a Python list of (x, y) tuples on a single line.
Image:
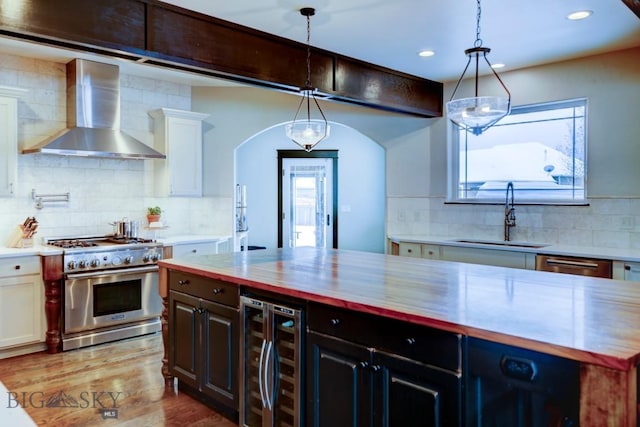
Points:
[(121, 271)]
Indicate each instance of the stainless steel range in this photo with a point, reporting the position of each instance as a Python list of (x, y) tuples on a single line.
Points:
[(110, 289)]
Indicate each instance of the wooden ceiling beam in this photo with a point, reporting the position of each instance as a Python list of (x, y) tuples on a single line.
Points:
[(162, 34)]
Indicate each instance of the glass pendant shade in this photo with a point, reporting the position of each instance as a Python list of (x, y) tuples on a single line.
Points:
[(478, 113), (308, 132)]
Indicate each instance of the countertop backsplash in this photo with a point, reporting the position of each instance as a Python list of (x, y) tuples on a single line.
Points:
[(605, 222)]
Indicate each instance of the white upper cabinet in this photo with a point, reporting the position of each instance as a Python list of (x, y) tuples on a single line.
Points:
[(9, 139), (178, 134)]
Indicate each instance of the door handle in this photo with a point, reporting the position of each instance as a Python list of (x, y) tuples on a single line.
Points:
[(328, 220), (267, 370), (260, 385)]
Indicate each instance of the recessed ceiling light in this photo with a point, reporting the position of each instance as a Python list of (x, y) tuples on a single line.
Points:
[(580, 14), (426, 53), (497, 65)]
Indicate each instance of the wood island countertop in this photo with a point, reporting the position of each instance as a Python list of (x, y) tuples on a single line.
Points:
[(594, 321)]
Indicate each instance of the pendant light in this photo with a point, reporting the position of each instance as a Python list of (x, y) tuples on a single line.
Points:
[(305, 131), (478, 113)]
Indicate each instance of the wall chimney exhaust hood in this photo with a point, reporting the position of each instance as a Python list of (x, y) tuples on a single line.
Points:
[(93, 117)]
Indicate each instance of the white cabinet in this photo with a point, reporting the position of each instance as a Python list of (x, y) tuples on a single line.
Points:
[(207, 247), (413, 250), (21, 301), (501, 258), (8, 139), (431, 251), (626, 271), (178, 134)]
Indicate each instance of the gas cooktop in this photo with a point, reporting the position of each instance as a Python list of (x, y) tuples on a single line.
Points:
[(93, 241)]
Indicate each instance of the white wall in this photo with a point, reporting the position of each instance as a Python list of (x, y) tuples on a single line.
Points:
[(102, 190), (361, 186), (242, 114), (611, 84)]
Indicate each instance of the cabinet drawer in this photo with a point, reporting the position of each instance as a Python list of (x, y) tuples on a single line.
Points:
[(413, 250), (210, 289), (19, 266), (186, 249), (427, 345)]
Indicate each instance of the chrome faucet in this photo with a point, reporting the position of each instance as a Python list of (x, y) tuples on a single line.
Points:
[(509, 213)]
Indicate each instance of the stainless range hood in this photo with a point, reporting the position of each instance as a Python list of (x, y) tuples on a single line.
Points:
[(93, 117)]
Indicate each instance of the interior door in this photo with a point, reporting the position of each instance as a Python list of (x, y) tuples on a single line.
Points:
[(307, 210)]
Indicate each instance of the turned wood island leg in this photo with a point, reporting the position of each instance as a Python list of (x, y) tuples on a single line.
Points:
[(52, 312), (168, 378), (52, 276), (163, 289)]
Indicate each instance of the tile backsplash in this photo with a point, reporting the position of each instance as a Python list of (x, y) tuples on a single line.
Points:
[(101, 190), (605, 222)]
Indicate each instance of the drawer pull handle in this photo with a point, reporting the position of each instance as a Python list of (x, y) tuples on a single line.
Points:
[(410, 341), (217, 291), (17, 267), (335, 322), (183, 282), (194, 251)]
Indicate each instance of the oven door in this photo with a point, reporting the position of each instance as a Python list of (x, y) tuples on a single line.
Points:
[(105, 298)]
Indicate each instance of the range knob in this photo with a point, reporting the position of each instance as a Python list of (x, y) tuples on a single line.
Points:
[(128, 259), (155, 257), (95, 262), (146, 258), (82, 264), (71, 265)]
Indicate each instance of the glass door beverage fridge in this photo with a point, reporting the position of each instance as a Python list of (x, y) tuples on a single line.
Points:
[(271, 348)]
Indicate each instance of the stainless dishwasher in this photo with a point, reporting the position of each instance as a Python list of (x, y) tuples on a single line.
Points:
[(572, 265)]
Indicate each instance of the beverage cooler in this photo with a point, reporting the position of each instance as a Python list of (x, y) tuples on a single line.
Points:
[(270, 384)]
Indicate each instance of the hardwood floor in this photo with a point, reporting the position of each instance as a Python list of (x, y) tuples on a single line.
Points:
[(83, 387)]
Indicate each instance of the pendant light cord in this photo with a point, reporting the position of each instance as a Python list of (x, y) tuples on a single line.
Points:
[(478, 41), (308, 82)]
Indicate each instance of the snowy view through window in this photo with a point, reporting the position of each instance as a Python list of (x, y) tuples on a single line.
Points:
[(540, 148)]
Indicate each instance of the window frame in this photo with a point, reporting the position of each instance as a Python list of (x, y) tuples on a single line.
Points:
[(453, 158)]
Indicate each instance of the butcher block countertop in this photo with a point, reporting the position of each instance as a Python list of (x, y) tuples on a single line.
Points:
[(594, 321)]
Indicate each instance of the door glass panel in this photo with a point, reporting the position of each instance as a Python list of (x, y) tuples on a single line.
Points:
[(307, 202), (120, 297), (287, 363), (254, 348)]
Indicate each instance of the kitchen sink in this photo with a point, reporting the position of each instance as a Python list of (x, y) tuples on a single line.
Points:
[(502, 243)]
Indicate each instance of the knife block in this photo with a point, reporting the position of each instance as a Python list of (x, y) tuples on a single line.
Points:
[(18, 239)]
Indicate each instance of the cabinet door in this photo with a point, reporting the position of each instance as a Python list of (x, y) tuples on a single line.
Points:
[(484, 256), (339, 389), (220, 353), (184, 155), (8, 145), (183, 337), (21, 310), (410, 393), (178, 134)]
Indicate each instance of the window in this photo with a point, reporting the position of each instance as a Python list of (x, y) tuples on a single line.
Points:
[(541, 148)]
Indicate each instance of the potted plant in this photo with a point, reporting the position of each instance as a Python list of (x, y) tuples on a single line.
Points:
[(153, 214)]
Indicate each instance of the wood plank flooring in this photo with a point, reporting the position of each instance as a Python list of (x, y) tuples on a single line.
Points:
[(83, 387)]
